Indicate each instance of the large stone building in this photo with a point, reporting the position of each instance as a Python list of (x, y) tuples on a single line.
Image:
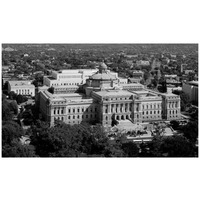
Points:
[(68, 77), (21, 87), (105, 99)]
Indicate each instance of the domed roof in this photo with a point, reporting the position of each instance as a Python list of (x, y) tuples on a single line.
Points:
[(103, 73), (103, 66), (103, 76)]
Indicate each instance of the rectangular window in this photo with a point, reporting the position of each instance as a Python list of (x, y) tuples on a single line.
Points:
[(69, 110)]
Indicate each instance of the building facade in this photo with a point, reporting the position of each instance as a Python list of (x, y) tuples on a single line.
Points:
[(191, 88), (21, 87), (106, 100)]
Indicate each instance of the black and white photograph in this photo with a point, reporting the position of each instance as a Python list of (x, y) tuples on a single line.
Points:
[(99, 99)]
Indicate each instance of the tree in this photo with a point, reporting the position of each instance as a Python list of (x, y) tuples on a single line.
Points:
[(14, 107), (190, 131), (16, 149), (155, 81), (174, 124), (12, 95), (10, 131), (142, 82), (114, 149), (6, 112), (177, 146), (20, 99), (163, 85), (174, 146), (130, 149), (11, 145), (146, 75), (64, 140), (154, 147)]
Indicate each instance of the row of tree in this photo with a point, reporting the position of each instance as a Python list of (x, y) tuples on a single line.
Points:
[(83, 140)]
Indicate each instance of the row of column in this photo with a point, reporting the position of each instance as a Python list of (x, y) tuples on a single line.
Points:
[(175, 104), (117, 108), (23, 91), (58, 111)]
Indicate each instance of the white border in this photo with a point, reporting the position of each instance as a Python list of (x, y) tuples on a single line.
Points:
[(105, 21)]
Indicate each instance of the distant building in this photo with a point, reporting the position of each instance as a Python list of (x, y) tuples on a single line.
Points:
[(8, 49), (129, 63), (168, 76), (171, 88), (5, 68), (191, 88), (137, 76), (182, 67), (134, 80), (188, 71), (21, 87), (131, 56), (142, 63), (173, 56), (172, 81)]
